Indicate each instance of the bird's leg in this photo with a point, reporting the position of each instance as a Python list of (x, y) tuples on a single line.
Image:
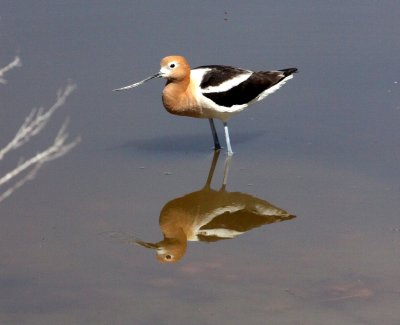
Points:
[(226, 171), (228, 141), (217, 146), (212, 168)]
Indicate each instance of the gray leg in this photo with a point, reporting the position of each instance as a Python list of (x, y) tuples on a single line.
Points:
[(226, 171), (212, 169), (217, 146), (228, 141)]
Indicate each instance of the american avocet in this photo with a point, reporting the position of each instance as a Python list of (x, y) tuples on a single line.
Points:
[(213, 91)]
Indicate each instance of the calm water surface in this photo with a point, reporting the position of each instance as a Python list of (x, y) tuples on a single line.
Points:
[(309, 211)]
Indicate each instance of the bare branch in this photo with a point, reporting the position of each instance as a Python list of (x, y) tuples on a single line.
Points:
[(14, 64), (58, 149), (36, 121), (33, 125), (30, 176)]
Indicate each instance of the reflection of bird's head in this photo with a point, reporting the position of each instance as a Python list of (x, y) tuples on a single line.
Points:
[(169, 250)]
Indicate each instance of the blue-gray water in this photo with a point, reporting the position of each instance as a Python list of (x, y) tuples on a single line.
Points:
[(325, 148)]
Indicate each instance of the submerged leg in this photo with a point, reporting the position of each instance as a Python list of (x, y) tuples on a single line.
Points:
[(217, 146), (228, 141), (212, 168), (226, 171)]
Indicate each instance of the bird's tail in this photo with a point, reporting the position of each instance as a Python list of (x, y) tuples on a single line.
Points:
[(289, 71)]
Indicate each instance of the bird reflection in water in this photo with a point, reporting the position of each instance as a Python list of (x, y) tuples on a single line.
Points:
[(210, 215)]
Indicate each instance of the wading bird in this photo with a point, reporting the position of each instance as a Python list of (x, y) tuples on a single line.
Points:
[(213, 91)]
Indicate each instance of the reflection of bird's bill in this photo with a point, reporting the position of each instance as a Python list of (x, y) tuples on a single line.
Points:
[(157, 75), (144, 244)]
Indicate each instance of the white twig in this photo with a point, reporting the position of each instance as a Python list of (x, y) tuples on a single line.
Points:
[(30, 176), (58, 149), (36, 121), (14, 64), (33, 124)]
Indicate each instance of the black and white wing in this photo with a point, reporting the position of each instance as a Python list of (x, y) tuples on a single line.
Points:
[(228, 86)]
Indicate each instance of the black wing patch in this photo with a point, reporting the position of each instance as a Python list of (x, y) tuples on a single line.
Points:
[(289, 71), (218, 74), (249, 89)]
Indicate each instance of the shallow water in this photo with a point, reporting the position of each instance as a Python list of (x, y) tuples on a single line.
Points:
[(324, 148)]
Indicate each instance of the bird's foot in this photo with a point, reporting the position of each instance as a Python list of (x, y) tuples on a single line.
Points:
[(217, 148)]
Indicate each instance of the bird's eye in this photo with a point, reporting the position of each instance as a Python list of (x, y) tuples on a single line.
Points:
[(172, 65)]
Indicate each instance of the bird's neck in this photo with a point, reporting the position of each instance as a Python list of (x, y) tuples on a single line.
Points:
[(178, 98), (173, 94)]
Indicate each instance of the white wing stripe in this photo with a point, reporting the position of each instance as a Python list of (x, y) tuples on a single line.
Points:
[(228, 84)]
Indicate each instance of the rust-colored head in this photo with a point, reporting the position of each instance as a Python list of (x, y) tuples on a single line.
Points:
[(174, 68)]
